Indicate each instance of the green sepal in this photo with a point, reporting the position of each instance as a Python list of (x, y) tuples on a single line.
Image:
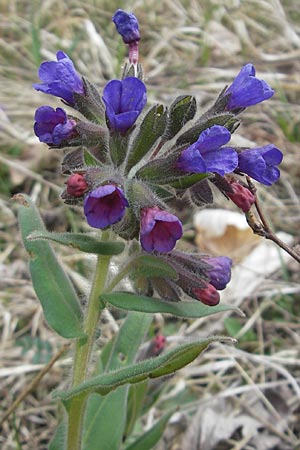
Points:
[(191, 135), (187, 181), (53, 287), (191, 309), (151, 128), (90, 105), (149, 266), (181, 111), (150, 438), (89, 160), (161, 170), (80, 241)]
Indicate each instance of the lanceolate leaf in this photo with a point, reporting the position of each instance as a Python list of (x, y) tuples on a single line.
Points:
[(81, 241), (152, 127), (162, 365), (192, 309), (52, 285), (149, 439)]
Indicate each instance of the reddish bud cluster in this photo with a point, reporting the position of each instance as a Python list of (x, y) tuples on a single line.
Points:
[(76, 185)]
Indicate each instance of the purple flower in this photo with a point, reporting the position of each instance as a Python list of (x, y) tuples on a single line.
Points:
[(60, 78), (124, 100), (246, 90), (220, 272), (53, 126), (206, 154), (159, 230), (260, 163), (127, 26), (105, 206)]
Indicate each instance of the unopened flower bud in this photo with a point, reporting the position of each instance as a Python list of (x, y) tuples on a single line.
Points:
[(241, 196), (127, 26), (208, 295), (76, 185)]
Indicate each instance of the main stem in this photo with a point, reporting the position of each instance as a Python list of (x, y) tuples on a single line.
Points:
[(83, 350)]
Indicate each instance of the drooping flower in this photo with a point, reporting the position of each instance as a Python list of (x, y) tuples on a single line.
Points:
[(76, 185), (247, 90), (53, 126), (159, 230), (105, 206), (241, 196), (260, 163), (127, 26), (220, 272), (207, 153), (208, 295), (60, 78), (124, 100)]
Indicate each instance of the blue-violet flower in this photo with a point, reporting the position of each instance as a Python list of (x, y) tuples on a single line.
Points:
[(124, 100), (53, 126), (220, 272), (60, 78), (247, 90), (260, 163), (159, 230), (207, 155), (104, 206), (127, 26)]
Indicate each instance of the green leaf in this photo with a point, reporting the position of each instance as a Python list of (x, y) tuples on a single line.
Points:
[(80, 241), (105, 420), (192, 309), (149, 439), (162, 365), (151, 128), (149, 266), (59, 440), (51, 284), (135, 402), (100, 410), (161, 170), (181, 111)]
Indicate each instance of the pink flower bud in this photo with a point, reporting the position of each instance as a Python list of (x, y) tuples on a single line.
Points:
[(159, 343), (241, 196), (76, 185), (208, 295)]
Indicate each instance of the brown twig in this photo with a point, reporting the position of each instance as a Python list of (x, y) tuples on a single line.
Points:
[(263, 228), (34, 383)]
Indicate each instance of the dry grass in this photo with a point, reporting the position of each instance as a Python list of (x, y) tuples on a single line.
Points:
[(250, 393)]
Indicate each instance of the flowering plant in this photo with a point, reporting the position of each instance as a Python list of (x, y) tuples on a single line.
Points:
[(126, 166)]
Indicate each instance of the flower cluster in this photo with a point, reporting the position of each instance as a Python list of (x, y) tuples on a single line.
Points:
[(133, 164)]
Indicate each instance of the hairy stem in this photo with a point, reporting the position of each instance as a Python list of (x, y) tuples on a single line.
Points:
[(83, 350)]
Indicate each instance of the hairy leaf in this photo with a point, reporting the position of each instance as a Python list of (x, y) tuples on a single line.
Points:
[(51, 284)]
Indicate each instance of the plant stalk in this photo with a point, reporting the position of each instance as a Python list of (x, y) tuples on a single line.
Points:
[(76, 408)]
